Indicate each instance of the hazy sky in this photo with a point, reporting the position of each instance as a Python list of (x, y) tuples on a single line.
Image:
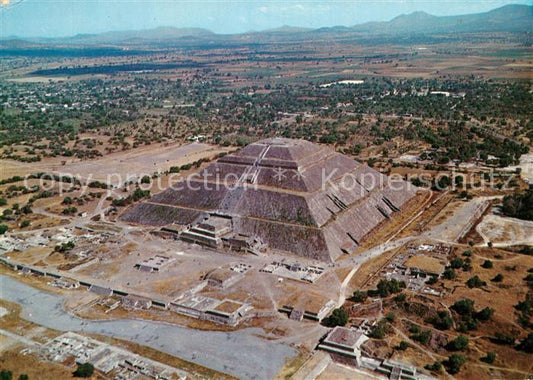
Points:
[(53, 18)]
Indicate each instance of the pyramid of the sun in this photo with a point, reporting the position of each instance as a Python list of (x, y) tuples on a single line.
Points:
[(293, 195)]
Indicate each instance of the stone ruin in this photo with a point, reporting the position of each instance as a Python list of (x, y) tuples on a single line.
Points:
[(292, 195)]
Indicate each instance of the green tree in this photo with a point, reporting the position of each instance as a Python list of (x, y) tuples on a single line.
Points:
[(458, 344), (489, 358), (6, 375), (84, 370), (475, 282), (454, 363), (339, 317)]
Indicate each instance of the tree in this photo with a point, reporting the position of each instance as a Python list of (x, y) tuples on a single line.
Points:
[(498, 278), (24, 377), (339, 317), (526, 344), (484, 314), (489, 358), (146, 179), (402, 346), (84, 370), (454, 363), (379, 330), (435, 367), (475, 282), (449, 274), (487, 264), (458, 344), (6, 375), (25, 223), (457, 263), (3, 229), (519, 205), (359, 296), (464, 306)]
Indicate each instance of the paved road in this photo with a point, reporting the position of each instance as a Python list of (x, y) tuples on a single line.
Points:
[(20, 338), (240, 353)]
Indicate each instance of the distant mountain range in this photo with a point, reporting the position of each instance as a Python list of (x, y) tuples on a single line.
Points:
[(509, 18)]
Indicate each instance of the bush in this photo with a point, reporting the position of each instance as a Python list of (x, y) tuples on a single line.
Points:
[(3, 229), (464, 306), (385, 288), (475, 282), (485, 314), (454, 363), (400, 298), (422, 337), (501, 338), (25, 223), (435, 367), (449, 274), (526, 344), (458, 344), (487, 264), (457, 263), (379, 330), (402, 346), (442, 321), (491, 356), (339, 317), (359, 296), (6, 375), (498, 278), (84, 370), (146, 179)]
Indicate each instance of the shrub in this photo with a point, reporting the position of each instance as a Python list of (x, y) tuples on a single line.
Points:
[(422, 337), (84, 370), (449, 274), (442, 321), (359, 296), (454, 363), (379, 330), (487, 264), (498, 278), (464, 306), (25, 223), (457, 263), (402, 346), (339, 317), (484, 314), (3, 229), (526, 344), (458, 344), (435, 367), (475, 282), (489, 358)]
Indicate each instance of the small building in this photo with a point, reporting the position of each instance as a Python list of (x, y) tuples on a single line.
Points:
[(66, 283), (132, 302), (227, 312), (222, 278), (396, 370), (344, 345), (154, 263), (103, 291)]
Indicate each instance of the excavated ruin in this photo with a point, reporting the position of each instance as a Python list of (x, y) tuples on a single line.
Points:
[(291, 195)]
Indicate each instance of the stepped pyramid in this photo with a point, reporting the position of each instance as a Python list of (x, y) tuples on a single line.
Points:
[(293, 195)]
